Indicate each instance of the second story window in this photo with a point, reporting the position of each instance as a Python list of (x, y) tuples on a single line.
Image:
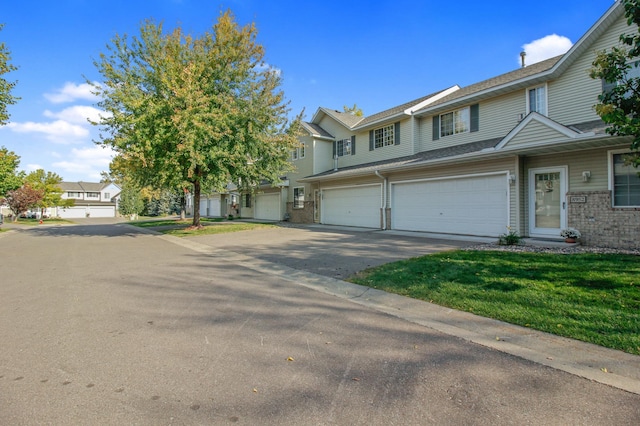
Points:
[(454, 122), (72, 194), (537, 100), (343, 147), (298, 152), (94, 195), (383, 136)]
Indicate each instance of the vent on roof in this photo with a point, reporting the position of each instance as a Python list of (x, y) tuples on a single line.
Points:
[(522, 55)]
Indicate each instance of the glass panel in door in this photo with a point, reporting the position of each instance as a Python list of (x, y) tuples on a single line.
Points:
[(547, 215)]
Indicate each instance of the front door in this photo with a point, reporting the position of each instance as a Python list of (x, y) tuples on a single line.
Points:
[(547, 201)]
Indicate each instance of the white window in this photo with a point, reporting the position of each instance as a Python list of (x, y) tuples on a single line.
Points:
[(93, 195), (454, 122), (298, 153), (384, 136), (298, 197), (537, 100), (107, 196), (625, 182), (72, 194), (343, 147)]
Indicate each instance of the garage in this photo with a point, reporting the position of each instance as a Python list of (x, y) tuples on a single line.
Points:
[(268, 206), (210, 206), (476, 205), (352, 206), (78, 212)]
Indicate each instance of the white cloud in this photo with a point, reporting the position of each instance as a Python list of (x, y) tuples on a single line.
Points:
[(545, 48), (78, 114), (86, 161), (71, 92), (58, 131), (33, 167)]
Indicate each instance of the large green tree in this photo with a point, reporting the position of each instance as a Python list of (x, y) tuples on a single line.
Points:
[(619, 68), (10, 177), (195, 112), (6, 98)]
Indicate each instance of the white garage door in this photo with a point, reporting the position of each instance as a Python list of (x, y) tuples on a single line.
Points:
[(86, 211), (353, 206), (210, 206), (268, 206), (72, 212), (101, 211), (470, 205)]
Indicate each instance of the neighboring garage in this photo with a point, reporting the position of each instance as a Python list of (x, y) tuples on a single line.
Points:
[(210, 206), (474, 205), (77, 212), (352, 206), (267, 206)]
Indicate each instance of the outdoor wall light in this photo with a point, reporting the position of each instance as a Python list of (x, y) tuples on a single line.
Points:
[(512, 179), (586, 175)]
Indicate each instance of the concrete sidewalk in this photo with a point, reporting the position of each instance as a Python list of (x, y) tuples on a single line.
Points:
[(607, 366)]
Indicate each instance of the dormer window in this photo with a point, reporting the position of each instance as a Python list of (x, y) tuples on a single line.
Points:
[(537, 100)]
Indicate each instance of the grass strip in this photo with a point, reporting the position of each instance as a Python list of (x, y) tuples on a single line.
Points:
[(590, 297)]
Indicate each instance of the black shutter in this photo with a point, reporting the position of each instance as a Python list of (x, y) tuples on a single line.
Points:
[(353, 145), (370, 140), (396, 133), (436, 127), (474, 112), (334, 148)]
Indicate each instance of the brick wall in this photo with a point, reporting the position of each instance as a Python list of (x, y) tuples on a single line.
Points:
[(600, 224), (301, 215)]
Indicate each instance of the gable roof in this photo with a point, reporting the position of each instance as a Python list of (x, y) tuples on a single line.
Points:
[(85, 186), (316, 131)]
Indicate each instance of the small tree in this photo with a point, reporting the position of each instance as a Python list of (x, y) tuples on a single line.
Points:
[(22, 199), (353, 110), (131, 202), (619, 104), (10, 178), (49, 183)]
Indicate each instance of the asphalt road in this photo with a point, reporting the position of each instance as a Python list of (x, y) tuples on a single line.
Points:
[(103, 324)]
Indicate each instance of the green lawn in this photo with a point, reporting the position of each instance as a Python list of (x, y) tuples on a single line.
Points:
[(182, 228), (33, 222), (590, 297)]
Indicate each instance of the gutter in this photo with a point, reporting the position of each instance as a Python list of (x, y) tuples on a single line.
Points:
[(384, 199)]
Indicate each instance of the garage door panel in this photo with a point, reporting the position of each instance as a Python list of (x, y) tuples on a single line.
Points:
[(471, 206), (355, 206), (267, 207)]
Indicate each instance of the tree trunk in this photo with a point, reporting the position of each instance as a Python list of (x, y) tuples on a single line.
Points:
[(183, 205), (196, 203)]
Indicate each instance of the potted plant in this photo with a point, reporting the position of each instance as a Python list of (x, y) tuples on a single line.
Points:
[(570, 235)]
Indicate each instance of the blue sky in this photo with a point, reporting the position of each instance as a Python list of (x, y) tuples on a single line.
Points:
[(376, 54)]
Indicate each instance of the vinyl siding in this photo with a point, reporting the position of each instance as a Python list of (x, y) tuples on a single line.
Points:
[(363, 155), (536, 132), (573, 95), (497, 117)]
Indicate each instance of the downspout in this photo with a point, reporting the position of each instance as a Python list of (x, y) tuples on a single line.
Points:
[(384, 200)]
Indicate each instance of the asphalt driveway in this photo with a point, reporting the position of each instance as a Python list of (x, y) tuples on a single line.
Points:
[(336, 252)]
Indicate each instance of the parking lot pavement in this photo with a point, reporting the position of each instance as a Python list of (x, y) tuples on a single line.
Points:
[(321, 257)]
